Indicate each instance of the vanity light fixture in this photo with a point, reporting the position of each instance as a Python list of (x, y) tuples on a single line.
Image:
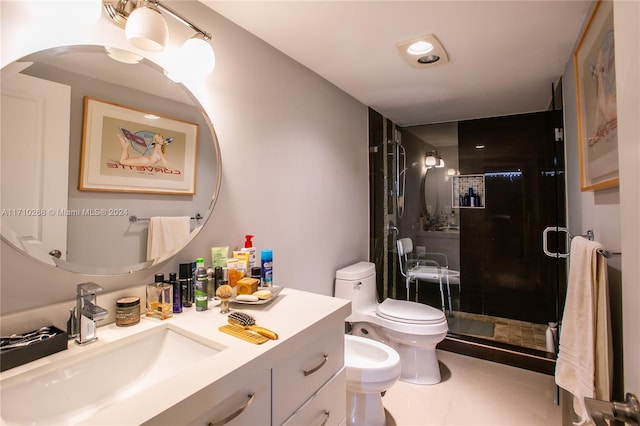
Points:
[(433, 159), (146, 29), (423, 51)]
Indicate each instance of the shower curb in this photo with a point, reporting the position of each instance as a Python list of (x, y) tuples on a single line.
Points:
[(502, 353)]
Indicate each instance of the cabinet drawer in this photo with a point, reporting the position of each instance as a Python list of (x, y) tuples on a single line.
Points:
[(301, 374), (242, 404), (328, 407)]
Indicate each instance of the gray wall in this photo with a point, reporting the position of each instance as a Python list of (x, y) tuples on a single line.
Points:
[(294, 153)]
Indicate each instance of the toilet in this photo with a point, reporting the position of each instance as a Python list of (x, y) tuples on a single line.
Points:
[(412, 329), (371, 367)]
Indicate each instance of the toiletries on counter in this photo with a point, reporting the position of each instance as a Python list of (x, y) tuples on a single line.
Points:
[(256, 272), (185, 284), (177, 293), (266, 262), (250, 249), (127, 311), (211, 290), (202, 282), (159, 298), (219, 256)]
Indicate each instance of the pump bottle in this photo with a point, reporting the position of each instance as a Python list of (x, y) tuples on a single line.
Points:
[(249, 248)]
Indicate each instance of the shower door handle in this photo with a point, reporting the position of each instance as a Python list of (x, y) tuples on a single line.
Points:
[(545, 239)]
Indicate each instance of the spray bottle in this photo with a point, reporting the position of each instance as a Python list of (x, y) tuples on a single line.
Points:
[(202, 283)]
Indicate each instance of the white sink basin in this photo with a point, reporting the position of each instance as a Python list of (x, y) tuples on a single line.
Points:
[(73, 389)]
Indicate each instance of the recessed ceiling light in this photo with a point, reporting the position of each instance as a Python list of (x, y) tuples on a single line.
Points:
[(479, 146), (420, 47), (428, 59), (424, 51)]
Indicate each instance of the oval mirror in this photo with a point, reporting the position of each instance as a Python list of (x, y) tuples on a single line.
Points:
[(82, 173)]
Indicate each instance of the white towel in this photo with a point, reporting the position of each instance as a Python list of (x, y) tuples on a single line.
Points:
[(166, 236), (585, 359)]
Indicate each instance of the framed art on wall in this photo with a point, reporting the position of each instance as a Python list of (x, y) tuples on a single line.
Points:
[(595, 72), (127, 150)]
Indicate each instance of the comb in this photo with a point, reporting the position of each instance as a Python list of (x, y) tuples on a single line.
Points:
[(243, 334), (247, 321)]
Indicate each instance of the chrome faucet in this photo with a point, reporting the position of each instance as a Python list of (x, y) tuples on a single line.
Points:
[(87, 313)]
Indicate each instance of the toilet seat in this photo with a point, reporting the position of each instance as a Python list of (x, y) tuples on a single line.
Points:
[(409, 312)]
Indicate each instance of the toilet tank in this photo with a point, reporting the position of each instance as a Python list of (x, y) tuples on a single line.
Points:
[(357, 283)]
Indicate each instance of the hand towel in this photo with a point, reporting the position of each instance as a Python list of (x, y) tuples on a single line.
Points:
[(166, 236), (585, 360)]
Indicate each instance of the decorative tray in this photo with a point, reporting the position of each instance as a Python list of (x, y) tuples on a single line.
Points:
[(275, 291)]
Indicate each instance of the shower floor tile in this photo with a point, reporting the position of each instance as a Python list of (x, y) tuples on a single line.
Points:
[(514, 332)]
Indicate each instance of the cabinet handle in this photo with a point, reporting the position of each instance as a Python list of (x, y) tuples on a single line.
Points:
[(318, 367), (327, 414), (239, 411)]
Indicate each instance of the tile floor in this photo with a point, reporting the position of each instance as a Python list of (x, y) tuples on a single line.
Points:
[(475, 392), (515, 332)]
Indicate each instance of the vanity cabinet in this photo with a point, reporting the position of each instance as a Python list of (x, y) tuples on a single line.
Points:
[(243, 403), (308, 383)]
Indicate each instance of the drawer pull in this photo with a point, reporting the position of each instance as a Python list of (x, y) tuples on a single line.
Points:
[(318, 367), (327, 414), (239, 411)]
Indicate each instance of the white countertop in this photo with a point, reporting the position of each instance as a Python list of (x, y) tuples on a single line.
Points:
[(294, 315)]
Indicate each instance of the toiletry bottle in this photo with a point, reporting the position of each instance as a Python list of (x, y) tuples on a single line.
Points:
[(159, 298), (256, 272), (185, 284), (249, 248), (177, 294), (202, 281), (266, 262), (225, 277), (194, 266), (211, 289), (217, 278)]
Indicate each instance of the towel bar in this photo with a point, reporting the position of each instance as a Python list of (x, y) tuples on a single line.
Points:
[(134, 218)]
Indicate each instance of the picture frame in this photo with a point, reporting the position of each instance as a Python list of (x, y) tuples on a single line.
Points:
[(129, 150), (596, 101)]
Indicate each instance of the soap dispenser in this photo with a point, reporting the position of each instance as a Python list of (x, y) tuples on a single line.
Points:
[(159, 298), (249, 248)]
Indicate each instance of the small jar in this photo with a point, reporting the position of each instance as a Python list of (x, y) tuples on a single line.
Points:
[(127, 311)]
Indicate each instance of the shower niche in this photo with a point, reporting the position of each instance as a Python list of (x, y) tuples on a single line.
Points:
[(468, 192)]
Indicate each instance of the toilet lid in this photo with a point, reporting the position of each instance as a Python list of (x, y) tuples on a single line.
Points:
[(409, 312)]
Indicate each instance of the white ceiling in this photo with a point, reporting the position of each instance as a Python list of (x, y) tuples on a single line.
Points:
[(503, 55)]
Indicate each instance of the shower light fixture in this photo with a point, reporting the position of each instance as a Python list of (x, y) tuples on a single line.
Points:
[(146, 28), (423, 51)]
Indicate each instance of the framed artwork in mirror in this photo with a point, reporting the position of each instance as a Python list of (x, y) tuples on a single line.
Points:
[(127, 150), (596, 101)]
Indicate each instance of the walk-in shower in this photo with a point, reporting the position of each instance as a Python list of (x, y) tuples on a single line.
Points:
[(506, 281)]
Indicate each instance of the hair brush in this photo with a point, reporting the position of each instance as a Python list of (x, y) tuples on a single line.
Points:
[(249, 323)]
